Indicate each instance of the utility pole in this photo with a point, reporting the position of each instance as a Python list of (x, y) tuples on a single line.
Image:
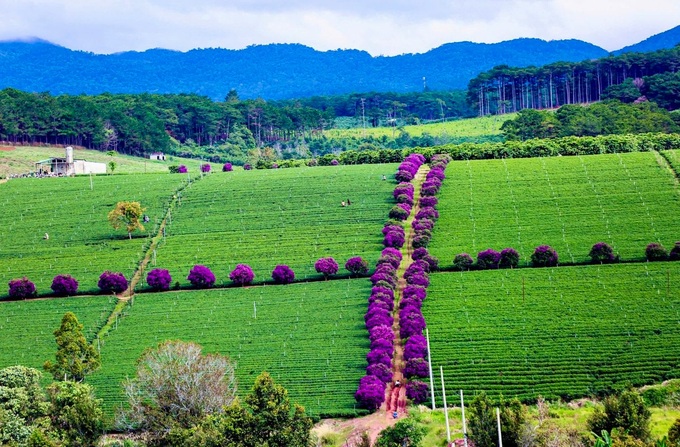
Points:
[(462, 409), (429, 364), (498, 421), (446, 409)]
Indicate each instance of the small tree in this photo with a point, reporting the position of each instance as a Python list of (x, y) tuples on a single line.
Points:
[(602, 252), (242, 275), (75, 357), (112, 282), (21, 288), (64, 285), (462, 261), (282, 274), (227, 167), (626, 411), (482, 422), (159, 279), (127, 214), (406, 432), (656, 252), (182, 169), (201, 276), (75, 414), (326, 266), (509, 258), (205, 167), (544, 256), (357, 265), (488, 259)]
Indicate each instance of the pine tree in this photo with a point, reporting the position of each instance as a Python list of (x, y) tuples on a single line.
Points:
[(75, 357)]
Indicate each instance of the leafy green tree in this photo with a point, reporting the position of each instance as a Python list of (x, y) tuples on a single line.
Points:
[(530, 124), (76, 415), (482, 423), (127, 214), (22, 404), (674, 433), (406, 432), (626, 412), (75, 357)]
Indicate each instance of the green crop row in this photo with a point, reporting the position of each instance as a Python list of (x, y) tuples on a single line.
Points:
[(267, 217), (564, 332), (569, 203), (309, 336), (81, 241)]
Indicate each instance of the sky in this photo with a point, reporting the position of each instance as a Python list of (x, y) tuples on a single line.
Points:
[(386, 27)]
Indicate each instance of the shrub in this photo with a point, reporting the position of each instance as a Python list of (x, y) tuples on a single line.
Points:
[(201, 276), (462, 261), (422, 224), (334, 162), (326, 266), (392, 252), (64, 285), (602, 252), (357, 265), (380, 371), (398, 213), (509, 258), (418, 280), (247, 167), (371, 392), (21, 288), (182, 169), (393, 229), (112, 282), (420, 241), (674, 433), (428, 201), (544, 256), (675, 252), (413, 291), (417, 391), (627, 411), (242, 274), (488, 259), (159, 279), (393, 239), (427, 212), (656, 252), (405, 206), (227, 167), (205, 167), (419, 253), (403, 198), (403, 176), (416, 367), (282, 274), (403, 188)]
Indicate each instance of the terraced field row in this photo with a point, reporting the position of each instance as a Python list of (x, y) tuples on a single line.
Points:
[(269, 217), (570, 203), (563, 332), (81, 241), (309, 336)]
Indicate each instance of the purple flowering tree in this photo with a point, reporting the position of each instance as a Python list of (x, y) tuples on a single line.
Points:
[(64, 285), (205, 167), (416, 367), (544, 256), (675, 252), (381, 371), (247, 167), (398, 212), (381, 332), (602, 252), (21, 288), (403, 176), (417, 391), (326, 266), (404, 188), (462, 262), (227, 167), (371, 392), (488, 259), (242, 275), (509, 258), (392, 252), (357, 265), (656, 252), (201, 277), (394, 240), (334, 162), (282, 274), (428, 201), (112, 282), (182, 169), (159, 279)]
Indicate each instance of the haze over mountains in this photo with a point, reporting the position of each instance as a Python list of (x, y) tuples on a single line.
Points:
[(280, 71)]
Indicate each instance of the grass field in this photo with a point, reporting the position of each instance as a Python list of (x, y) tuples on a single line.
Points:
[(27, 327), (570, 203), (269, 217), (81, 241), (309, 336), (674, 159), (471, 127), (22, 159), (564, 332)]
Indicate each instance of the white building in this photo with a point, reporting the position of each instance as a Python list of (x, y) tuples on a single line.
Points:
[(157, 156), (69, 166)]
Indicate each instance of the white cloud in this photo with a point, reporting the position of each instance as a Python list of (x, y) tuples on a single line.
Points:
[(379, 27)]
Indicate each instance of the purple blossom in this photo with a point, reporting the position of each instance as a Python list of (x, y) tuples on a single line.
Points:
[(403, 176), (382, 344), (326, 266), (403, 198), (411, 323), (64, 285), (112, 282), (427, 212), (334, 162), (422, 224), (379, 320), (429, 189), (419, 253), (242, 275), (200, 276), (655, 252), (159, 279), (391, 280), (602, 252), (436, 173), (282, 274), (371, 392), (381, 332), (413, 269), (432, 261), (410, 302), (389, 260), (412, 168), (421, 240), (392, 251), (398, 213), (462, 261), (393, 239), (428, 201), (418, 280), (414, 291), (488, 259), (382, 290), (357, 265), (381, 371), (509, 258), (403, 188), (247, 167), (675, 252), (376, 311), (275, 166), (21, 288), (383, 304), (182, 169), (227, 167), (405, 206), (416, 367), (379, 356), (417, 391), (205, 167), (393, 229), (544, 256), (416, 346)]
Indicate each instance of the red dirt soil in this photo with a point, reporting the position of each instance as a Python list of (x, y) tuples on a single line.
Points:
[(7, 148)]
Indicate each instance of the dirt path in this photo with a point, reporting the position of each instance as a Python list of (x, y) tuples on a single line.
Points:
[(395, 396)]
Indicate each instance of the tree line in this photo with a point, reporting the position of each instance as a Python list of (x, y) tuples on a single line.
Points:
[(505, 89)]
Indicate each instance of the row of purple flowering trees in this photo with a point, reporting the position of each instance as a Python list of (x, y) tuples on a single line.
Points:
[(371, 391)]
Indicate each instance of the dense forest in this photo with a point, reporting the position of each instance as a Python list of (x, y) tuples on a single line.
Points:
[(627, 77)]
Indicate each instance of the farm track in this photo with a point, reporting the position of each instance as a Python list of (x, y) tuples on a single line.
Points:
[(395, 396)]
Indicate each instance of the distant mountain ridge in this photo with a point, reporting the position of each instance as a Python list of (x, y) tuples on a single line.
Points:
[(275, 71), (667, 39)]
